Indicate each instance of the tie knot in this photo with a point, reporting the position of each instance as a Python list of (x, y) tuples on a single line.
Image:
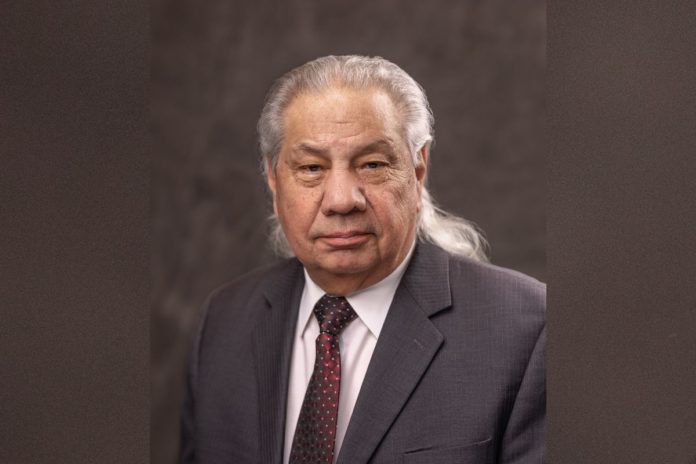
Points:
[(333, 314)]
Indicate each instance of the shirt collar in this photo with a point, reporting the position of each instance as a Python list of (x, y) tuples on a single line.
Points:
[(370, 304)]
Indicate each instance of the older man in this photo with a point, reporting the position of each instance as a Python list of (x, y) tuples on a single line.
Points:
[(386, 338)]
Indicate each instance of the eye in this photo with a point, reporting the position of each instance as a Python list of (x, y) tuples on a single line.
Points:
[(312, 168), (372, 165)]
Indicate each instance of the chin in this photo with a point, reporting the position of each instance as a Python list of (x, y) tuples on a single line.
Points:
[(345, 262)]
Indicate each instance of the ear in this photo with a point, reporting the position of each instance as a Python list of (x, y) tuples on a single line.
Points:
[(271, 180), (422, 166), (421, 171)]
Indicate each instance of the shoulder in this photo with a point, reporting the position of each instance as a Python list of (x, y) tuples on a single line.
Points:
[(241, 297), (491, 284), (248, 284), (510, 304), (475, 281)]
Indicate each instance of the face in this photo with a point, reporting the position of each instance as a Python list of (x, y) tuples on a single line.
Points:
[(345, 188)]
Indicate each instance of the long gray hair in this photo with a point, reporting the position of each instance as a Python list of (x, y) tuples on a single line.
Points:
[(454, 234)]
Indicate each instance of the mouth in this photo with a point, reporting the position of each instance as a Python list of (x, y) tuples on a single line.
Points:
[(345, 240)]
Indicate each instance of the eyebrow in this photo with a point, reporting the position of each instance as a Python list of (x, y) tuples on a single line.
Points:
[(383, 145), (311, 149)]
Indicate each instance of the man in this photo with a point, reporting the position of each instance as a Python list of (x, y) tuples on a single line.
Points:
[(387, 339)]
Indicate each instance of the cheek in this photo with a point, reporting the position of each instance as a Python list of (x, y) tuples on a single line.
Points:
[(406, 194), (297, 210), (396, 208)]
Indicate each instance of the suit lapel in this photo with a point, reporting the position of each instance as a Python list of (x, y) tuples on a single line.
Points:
[(272, 345), (405, 348)]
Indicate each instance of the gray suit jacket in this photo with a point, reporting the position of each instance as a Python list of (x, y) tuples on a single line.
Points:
[(457, 376)]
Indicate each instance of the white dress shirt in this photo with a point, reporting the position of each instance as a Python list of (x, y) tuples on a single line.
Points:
[(356, 343)]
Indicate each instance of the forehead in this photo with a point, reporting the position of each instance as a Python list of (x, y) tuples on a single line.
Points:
[(341, 114)]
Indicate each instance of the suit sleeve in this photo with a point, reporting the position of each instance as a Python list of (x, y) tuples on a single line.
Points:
[(187, 454), (186, 449), (524, 438)]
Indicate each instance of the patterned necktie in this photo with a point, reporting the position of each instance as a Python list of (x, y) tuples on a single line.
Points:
[(315, 434)]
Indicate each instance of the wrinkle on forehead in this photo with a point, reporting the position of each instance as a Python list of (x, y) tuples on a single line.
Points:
[(339, 114)]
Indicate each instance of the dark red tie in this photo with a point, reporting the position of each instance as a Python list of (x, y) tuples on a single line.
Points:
[(315, 434)]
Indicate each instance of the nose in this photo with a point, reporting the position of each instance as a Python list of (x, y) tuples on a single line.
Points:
[(343, 193)]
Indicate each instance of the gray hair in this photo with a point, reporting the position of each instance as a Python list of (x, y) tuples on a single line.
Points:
[(454, 234)]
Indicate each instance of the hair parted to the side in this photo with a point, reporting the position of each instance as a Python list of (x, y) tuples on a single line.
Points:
[(454, 234)]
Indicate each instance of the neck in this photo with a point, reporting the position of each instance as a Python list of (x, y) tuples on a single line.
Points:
[(343, 285)]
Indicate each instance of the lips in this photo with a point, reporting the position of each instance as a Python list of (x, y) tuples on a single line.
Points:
[(349, 239)]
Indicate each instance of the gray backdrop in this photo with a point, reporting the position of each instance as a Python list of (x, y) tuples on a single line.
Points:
[(481, 63)]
